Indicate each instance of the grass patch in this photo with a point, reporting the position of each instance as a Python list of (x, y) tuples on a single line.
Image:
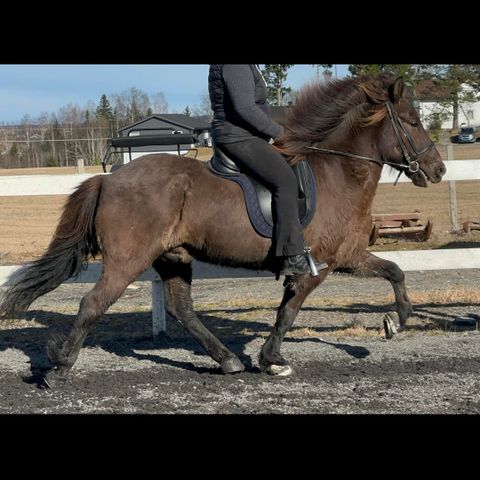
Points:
[(446, 296), (358, 332)]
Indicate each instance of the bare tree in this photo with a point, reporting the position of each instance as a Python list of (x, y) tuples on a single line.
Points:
[(204, 108), (26, 126), (159, 103)]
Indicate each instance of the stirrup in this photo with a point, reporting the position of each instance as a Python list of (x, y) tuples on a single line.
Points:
[(314, 267)]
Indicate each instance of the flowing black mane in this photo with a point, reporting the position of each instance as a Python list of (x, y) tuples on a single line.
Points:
[(322, 110)]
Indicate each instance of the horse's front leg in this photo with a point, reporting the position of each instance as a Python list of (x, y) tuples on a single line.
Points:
[(368, 265), (297, 288)]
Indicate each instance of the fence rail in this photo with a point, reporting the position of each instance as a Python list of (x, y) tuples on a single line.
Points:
[(417, 260), (23, 185)]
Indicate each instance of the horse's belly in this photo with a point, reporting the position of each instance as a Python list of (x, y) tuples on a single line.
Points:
[(216, 222)]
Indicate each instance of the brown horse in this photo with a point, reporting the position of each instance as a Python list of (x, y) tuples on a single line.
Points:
[(166, 211)]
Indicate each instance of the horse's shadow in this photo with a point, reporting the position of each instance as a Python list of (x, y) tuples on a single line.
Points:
[(128, 335)]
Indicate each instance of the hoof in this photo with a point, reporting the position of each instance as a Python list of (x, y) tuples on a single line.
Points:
[(279, 370), (389, 326), (55, 378), (232, 365)]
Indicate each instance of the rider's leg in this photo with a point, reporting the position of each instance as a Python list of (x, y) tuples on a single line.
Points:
[(260, 160)]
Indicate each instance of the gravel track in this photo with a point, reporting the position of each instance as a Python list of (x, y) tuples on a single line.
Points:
[(431, 368)]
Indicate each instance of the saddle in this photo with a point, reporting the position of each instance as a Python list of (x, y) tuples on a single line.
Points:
[(258, 198)]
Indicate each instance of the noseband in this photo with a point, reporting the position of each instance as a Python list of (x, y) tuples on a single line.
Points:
[(411, 163)]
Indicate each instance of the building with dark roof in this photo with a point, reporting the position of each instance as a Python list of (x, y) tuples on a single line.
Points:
[(162, 124), (165, 124)]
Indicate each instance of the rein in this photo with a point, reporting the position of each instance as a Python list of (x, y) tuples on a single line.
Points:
[(346, 154)]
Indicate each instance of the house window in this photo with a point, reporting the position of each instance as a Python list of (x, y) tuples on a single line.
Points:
[(470, 114)]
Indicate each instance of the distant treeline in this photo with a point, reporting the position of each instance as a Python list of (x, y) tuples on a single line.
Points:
[(73, 132)]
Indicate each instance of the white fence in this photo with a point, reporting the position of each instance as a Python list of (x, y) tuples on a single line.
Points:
[(416, 260)]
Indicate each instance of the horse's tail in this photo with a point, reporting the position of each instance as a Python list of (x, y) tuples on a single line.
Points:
[(73, 242)]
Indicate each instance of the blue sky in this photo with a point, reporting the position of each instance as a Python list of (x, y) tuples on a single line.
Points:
[(33, 89)]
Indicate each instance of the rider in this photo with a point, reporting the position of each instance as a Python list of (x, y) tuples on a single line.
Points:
[(243, 129)]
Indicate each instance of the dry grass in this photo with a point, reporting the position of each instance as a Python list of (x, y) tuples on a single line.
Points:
[(248, 301), (447, 296), (433, 203), (27, 225), (460, 152), (358, 332)]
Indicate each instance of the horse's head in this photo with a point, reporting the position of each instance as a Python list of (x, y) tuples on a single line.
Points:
[(373, 117), (403, 142)]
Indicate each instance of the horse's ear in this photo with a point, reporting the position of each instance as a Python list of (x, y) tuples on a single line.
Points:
[(396, 90)]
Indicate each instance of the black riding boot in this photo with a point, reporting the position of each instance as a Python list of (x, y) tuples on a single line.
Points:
[(301, 264)]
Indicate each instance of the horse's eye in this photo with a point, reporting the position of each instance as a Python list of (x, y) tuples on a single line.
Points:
[(414, 124)]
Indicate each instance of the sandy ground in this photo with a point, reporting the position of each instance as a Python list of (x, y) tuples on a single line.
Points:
[(342, 362)]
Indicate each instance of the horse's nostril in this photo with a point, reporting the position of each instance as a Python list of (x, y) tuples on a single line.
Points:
[(442, 170)]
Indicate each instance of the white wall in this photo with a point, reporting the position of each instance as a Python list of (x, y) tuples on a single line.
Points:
[(427, 108)]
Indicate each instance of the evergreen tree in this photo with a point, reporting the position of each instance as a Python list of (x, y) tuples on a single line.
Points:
[(13, 154), (410, 73), (104, 109), (187, 112), (459, 84), (275, 77), (13, 151)]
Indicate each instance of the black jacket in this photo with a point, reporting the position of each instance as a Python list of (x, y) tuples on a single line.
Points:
[(238, 94)]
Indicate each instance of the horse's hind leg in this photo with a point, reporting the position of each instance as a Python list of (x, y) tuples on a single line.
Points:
[(177, 278), (63, 351), (368, 265), (296, 291)]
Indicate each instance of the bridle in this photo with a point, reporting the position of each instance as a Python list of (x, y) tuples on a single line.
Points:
[(411, 163)]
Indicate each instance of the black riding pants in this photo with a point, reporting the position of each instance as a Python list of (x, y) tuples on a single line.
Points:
[(257, 158)]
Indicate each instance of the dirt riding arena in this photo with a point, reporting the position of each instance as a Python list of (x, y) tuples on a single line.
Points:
[(342, 362)]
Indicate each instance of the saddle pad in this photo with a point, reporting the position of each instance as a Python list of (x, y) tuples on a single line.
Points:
[(258, 199)]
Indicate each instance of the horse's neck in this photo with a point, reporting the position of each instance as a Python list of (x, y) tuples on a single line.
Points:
[(360, 176), (363, 143)]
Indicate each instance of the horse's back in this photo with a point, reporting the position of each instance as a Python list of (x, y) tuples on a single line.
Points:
[(154, 167)]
